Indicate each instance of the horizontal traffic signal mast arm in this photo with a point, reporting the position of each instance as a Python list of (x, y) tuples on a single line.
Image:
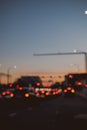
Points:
[(65, 53)]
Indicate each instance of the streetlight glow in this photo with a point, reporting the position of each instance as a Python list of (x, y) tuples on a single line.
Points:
[(85, 11), (15, 67), (75, 50), (76, 65)]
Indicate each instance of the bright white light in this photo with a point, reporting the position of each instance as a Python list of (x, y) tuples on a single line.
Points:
[(75, 51), (15, 67), (85, 11)]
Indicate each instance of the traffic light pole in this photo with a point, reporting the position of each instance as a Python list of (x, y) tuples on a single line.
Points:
[(85, 54), (66, 53)]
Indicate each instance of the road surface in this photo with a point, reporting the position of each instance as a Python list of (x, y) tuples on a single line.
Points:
[(56, 113)]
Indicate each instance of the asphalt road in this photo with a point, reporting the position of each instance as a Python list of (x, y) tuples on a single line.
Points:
[(56, 113)]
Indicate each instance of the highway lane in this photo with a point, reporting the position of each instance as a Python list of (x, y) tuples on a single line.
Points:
[(57, 113)]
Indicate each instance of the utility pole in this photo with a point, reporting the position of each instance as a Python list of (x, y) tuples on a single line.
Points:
[(8, 73), (85, 54), (66, 53)]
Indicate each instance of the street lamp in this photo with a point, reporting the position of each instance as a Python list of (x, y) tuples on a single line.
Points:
[(8, 73), (75, 52), (77, 67), (85, 11)]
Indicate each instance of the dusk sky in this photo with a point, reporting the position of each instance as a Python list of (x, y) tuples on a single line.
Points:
[(42, 26)]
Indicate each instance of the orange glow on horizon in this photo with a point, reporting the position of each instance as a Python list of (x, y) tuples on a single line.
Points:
[(45, 76)]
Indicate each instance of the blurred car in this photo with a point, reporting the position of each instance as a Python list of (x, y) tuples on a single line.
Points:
[(47, 91), (7, 93), (21, 93), (42, 92), (55, 89), (69, 91)]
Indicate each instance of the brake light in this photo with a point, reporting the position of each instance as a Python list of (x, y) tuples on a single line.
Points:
[(3, 93), (60, 90), (37, 94), (33, 87), (20, 88), (73, 91), (11, 95), (46, 93), (36, 91), (86, 85), (57, 92), (54, 93), (38, 84), (79, 83), (68, 88), (27, 95), (8, 92), (42, 91), (65, 91), (10, 85), (70, 76)]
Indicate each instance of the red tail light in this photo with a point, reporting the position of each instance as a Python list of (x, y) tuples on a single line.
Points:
[(73, 91), (38, 84), (79, 83), (85, 85), (46, 93), (8, 92), (37, 94), (42, 91), (11, 95), (68, 88), (54, 93), (20, 88), (60, 90), (3, 93), (27, 95), (10, 85), (70, 76), (65, 91)]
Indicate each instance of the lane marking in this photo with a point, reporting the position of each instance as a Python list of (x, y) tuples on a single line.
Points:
[(13, 114), (81, 116)]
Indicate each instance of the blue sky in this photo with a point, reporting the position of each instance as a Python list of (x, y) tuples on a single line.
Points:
[(42, 26)]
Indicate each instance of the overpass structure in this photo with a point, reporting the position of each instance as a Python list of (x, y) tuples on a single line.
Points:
[(66, 53)]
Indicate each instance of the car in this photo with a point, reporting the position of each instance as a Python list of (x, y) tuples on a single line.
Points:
[(7, 93), (69, 91), (56, 89)]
